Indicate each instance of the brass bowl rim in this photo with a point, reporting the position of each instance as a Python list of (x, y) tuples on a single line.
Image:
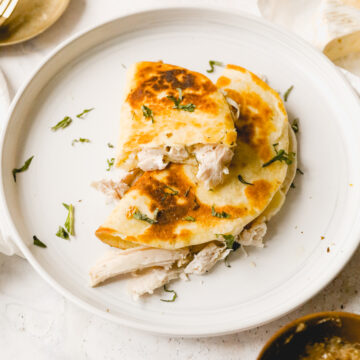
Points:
[(304, 319), (66, 4)]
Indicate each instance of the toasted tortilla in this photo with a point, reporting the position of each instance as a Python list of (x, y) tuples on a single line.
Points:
[(149, 84), (279, 198), (185, 211)]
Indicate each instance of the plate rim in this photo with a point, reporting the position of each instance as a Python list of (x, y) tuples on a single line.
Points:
[(156, 328)]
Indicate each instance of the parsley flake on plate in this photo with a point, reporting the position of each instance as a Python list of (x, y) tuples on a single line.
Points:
[(81, 140), (61, 233), (110, 163), (287, 92), (38, 242), (69, 223), (212, 64), (83, 113), (169, 291), (64, 123), (23, 168)]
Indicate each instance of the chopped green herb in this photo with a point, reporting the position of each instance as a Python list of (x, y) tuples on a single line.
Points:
[(81, 115), (38, 242), (196, 204), (222, 215), (177, 101), (110, 163), (281, 155), (292, 186), (81, 140), (295, 125), (23, 168), (189, 218), (110, 145), (62, 233), (69, 223), (172, 191), (139, 216), (230, 241), (241, 179), (300, 171), (187, 192), (212, 63), (287, 92), (64, 123), (147, 112), (170, 291)]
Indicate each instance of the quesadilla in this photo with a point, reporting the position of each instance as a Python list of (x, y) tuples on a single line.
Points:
[(171, 114), (170, 209), (170, 225)]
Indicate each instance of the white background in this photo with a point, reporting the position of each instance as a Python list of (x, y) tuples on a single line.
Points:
[(37, 323)]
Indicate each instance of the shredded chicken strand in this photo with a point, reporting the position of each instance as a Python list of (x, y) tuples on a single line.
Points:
[(119, 262), (206, 258), (150, 280), (254, 236), (116, 189), (151, 159), (213, 161)]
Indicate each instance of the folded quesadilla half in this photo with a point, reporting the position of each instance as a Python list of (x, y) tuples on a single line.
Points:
[(169, 224), (171, 114), (171, 209)]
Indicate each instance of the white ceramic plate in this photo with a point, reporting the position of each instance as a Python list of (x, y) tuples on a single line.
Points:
[(88, 71)]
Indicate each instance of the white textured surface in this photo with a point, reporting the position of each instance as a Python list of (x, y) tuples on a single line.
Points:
[(37, 323)]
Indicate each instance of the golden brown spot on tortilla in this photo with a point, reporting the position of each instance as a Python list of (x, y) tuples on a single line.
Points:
[(171, 210), (258, 194), (236, 67), (154, 79), (255, 123), (223, 81), (110, 237)]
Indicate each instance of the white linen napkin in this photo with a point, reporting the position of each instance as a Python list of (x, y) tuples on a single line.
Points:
[(7, 246)]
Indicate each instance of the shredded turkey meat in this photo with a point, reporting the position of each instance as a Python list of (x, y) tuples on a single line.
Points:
[(119, 262), (213, 161), (206, 258), (254, 236)]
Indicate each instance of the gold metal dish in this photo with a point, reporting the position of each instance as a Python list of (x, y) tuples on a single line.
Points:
[(290, 342), (30, 18)]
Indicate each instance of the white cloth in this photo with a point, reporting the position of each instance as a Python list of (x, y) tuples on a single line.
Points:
[(293, 15), (7, 246)]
